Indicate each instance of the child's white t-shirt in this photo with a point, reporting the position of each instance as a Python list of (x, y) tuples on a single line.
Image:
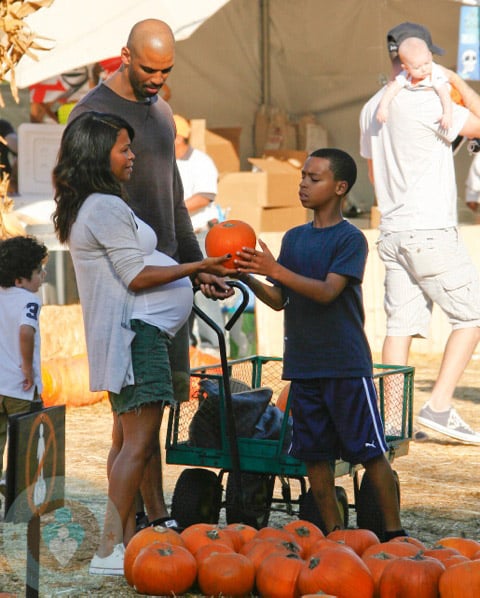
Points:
[(436, 80), (17, 307)]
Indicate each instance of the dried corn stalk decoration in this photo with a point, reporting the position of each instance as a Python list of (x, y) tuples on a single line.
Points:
[(16, 40), (16, 37)]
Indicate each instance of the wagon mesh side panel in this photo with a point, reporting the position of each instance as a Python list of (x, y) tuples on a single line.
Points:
[(394, 389), (247, 373), (395, 395)]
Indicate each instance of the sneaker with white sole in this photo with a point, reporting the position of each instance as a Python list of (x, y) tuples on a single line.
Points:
[(448, 423), (109, 565)]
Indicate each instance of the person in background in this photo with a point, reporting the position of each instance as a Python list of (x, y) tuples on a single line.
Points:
[(22, 273), (419, 70), (411, 167), (317, 280), (472, 184), (155, 190), (8, 154), (134, 300), (199, 179)]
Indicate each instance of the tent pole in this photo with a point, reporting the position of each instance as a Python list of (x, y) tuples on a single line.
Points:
[(265, 50)]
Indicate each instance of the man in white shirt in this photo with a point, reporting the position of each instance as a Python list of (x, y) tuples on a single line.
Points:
[(411, 166), (199, 179)]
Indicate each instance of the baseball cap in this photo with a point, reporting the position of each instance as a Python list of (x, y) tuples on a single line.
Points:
[(182, 125), (397, 34)]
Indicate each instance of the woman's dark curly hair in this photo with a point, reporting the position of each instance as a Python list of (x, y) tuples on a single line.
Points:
[(83, 165), (19, 257)]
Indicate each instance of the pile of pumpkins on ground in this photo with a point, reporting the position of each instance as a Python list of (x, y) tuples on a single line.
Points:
[(298, 560)]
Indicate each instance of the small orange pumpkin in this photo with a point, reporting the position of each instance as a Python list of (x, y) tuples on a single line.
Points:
[(226, 574), (277, 575), (338, 571), (199, 534), (465, 546), (146, 537), (240, 533), (325, 544), (305, 532), (442, 553), (358, 539), (411, 577), (229, 237), (257, 550), (454, 559), (207, 549), (275, 533), (394, 548), (376, 564), (461, 581), (162, 569), (282, 398)]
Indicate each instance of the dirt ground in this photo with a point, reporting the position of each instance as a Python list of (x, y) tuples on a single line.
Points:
[(440, 495)]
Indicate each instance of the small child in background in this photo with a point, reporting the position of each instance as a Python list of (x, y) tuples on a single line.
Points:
[(419, 71), (21, 275)]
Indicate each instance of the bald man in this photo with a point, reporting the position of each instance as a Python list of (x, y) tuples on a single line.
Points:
[(155, 192)]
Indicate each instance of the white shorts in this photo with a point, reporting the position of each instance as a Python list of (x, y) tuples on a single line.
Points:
[(424, 267)]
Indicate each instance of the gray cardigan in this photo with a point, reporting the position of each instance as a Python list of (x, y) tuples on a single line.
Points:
[(106, 256)]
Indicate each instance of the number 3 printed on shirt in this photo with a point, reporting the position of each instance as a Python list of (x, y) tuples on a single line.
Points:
[(32, 310)]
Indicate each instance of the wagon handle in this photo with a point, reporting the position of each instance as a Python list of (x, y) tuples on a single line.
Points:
[(230, 419), (236, 314)]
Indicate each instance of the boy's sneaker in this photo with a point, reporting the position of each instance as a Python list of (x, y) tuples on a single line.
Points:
[(448, 423), (109, 565)]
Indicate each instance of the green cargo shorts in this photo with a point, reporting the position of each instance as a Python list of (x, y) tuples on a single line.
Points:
[(151, 369)]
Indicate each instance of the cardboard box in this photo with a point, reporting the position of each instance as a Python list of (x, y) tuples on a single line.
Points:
[(38, 145), (273, 184), (222, 152), (221, 149), (295, 157), (266, 219)]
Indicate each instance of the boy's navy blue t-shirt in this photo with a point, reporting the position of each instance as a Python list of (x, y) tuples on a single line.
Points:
[(325, 341)]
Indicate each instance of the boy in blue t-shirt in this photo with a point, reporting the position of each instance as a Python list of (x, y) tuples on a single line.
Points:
[(317, 281)]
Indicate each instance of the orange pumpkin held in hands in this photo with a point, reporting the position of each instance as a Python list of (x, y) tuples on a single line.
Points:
[(229, 237)]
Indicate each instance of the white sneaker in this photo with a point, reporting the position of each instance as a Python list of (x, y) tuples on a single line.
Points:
[(448, 423), (109, 565)]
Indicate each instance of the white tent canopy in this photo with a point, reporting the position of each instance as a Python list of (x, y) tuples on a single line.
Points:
[(325, 58), (314, 56), (86, 31)]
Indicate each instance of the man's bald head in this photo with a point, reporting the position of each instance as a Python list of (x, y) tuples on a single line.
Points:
[(147, 60), (151, 33)]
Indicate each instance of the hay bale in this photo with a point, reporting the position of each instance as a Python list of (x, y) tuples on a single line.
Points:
[(61, 331)]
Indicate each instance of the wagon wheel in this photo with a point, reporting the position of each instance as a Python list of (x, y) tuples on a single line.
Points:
[(369, 515), (257, 489), (197, 497), (309, 510)]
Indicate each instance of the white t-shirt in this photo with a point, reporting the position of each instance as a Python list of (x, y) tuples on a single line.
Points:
[(199, 175), (413, 167), (18, 307), (166, 306), (435, 80), (472, 184)]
